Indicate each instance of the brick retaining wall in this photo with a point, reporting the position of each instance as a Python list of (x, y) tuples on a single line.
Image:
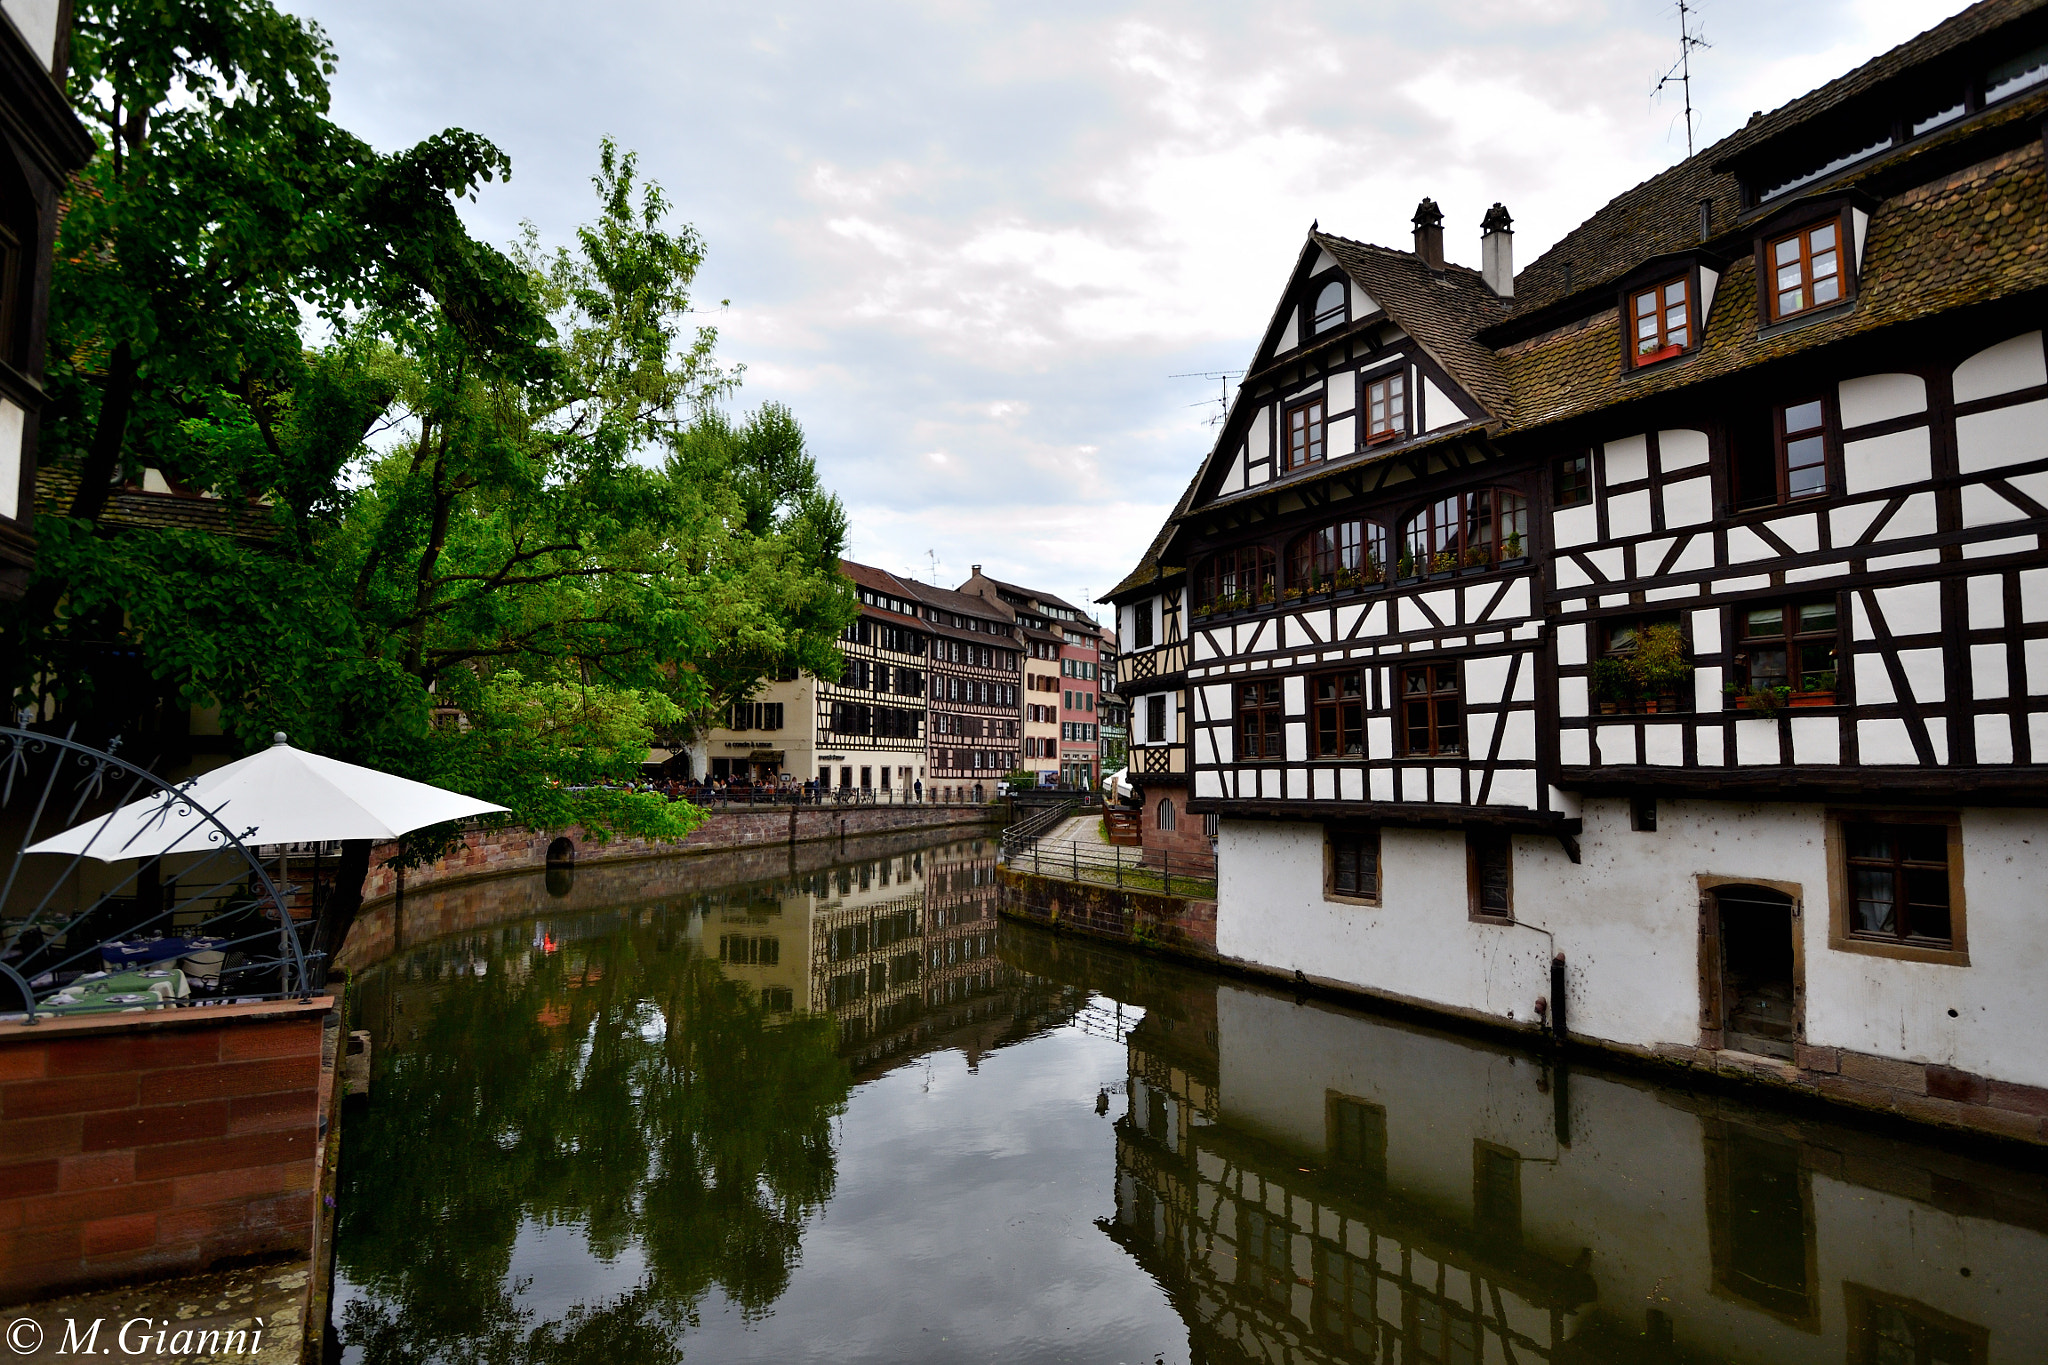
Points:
[(157, 1144), (493, 852)]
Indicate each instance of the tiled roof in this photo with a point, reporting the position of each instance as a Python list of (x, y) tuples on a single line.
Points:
[(1440, 309), (1045, 598), (1974, 235), (1661, 214), (57, 485)]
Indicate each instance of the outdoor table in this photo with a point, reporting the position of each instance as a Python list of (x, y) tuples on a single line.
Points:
[(116, 992)]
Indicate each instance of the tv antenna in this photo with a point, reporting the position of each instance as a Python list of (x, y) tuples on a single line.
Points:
[(1681, 74), (933, 556), (1222, 398)]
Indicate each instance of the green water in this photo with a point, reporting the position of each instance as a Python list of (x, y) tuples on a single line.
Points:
[(834, 1109)]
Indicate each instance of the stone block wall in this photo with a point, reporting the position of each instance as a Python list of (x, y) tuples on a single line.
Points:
[(154, 1144)]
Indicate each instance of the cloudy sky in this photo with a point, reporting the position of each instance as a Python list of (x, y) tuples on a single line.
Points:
[(973, 245)]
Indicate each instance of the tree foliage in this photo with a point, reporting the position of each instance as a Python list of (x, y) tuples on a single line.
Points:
[(474, 515)]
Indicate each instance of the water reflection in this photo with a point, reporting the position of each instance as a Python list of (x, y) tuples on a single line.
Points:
[(662, 1078), (834, 1110), (1317, 1186)]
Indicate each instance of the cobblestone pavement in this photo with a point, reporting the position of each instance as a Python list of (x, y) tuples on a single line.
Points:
[(252, 1314)]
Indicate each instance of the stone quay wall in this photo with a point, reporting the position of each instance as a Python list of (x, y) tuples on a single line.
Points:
[(134, 1146), (487, 852), (1147, 919), (462, 905)]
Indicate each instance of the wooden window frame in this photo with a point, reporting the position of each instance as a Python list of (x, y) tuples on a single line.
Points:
[(1665, 349), (1792, 639), (1431, 697), (1272, 710), (1445, 525), (1475, 892), (1334, 709), (1262, 573), (1386, 388), (1314, 558), (1316, 434), (1841, 890), (1566, 491), (1364, 836), (1802, 229), (1781, 440)]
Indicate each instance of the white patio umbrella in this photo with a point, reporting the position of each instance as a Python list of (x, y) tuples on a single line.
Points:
[(279, 796)]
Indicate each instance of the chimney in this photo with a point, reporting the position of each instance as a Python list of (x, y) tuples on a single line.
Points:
[(977, 571), (1429, 234), (1497, 251)]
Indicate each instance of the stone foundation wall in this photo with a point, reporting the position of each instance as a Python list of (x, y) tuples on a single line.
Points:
[(158, 1144), (1189, 833), (494, 852), (1142, 918)]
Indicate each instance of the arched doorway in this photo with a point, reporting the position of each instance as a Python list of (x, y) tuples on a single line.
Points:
[(1750, 970)]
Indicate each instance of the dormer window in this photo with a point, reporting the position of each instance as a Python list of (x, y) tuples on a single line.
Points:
[(1805, 269), (1329, 308), (1662, 316)]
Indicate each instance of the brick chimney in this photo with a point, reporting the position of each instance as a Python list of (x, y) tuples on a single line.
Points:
[(1497, 251), (1429, 234)]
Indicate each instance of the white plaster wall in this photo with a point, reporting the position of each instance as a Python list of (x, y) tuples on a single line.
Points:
[(1881, 397), (1626, 918), (2017, 363)]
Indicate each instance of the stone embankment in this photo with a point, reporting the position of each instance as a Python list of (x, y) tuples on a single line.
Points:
[(495, 852)]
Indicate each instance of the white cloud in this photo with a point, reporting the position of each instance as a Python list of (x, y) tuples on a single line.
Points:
[(969, 244)]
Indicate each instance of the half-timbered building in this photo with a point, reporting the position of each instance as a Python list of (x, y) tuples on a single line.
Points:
[(1676, 606), (1151, 680), (1038, 620), (975, 693), (871, 723)]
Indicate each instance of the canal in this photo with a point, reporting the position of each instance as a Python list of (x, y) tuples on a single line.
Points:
[(823, 1105)]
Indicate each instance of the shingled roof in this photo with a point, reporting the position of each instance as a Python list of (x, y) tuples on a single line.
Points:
[(131, 508), (1441, 309), (1661, 214)]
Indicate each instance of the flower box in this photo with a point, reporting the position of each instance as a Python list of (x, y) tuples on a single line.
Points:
[(1811, 699)]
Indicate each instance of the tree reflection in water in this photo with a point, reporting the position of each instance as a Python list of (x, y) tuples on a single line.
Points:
[(619, 1085)]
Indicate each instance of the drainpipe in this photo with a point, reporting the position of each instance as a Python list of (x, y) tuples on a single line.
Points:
[(1557, 1021)]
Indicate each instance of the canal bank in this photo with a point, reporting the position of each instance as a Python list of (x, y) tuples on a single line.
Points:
[(494, 852), (958, 1135), (1185, 928)]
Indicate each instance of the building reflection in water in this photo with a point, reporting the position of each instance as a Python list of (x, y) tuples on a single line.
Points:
[(1312, 1185), (899, 951)]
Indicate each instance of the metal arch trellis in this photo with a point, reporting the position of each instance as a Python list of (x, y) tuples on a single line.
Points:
[(48, 950)]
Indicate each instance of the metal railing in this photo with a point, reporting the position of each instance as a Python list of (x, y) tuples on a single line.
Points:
[(1027, 831), (1132, 869)]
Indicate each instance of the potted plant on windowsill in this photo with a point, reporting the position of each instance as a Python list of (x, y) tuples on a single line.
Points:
[(1266, 595), (1612, 687), (1478, 558), (1511, 549), (1445, 562), (1659, 667), (1820, 691), (1762, 703), (1404, 567), (1371, 574), (1292, 594)]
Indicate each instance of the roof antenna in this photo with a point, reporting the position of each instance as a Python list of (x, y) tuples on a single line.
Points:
[(1682, 73), (1222, 398)]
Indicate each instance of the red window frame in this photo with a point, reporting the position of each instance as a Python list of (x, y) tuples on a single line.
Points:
[(1660, 326), (1305, 435)]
